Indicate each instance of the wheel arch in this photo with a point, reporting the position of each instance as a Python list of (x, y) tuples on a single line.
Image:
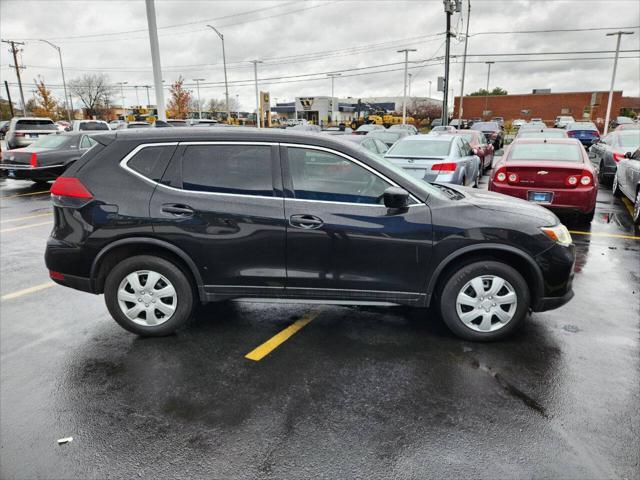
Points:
[(523, 262), (116, 251)]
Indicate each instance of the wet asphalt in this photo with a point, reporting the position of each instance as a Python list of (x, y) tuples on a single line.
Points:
[(357, 393)]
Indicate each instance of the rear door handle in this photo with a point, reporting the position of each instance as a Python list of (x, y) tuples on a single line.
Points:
[(308, 222), (178, 210)]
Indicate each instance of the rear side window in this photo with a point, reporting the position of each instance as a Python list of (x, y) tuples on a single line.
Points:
[(151, 161), (235, 169), (36, 125)]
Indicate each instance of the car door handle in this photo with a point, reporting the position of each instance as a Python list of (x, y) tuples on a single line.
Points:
[(308, 222), (179, 210)]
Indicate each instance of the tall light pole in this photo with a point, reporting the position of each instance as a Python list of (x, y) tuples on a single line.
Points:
[(198, 80), (124, 110), (333, 110), (64, 83), (464, 63), (255, 75), (406, 70), (613, 77), (224, 63), (137, 96), (148, 98), (238, 105), (486, 97), (155, 58), (449, 7)]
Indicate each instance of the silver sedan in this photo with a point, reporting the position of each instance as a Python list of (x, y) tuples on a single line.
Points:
[(437, 159), (627, 181)]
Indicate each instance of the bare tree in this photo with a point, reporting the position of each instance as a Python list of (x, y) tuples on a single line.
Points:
[(94, 91)]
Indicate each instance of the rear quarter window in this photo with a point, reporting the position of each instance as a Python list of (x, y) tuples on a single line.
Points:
[(151, 162)]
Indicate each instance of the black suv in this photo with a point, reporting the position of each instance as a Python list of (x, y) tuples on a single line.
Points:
[(160, 219)]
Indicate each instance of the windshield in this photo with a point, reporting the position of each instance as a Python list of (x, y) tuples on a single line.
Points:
[(52, 141), (93, 126), (492, 126), (421, 148), (630, 139), (581, 126), (542, 134), (546, 151), (36, 124)]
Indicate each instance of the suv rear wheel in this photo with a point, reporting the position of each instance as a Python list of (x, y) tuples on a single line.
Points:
[(149, 295), (484, 301)]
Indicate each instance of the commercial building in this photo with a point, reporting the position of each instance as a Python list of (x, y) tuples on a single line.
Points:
[(543, 104)]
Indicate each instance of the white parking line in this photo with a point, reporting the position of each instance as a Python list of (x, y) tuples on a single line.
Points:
[(26, 291), (13, 229), (17, 219)]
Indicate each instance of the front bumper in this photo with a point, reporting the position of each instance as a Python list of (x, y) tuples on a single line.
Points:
[(27, 172), (550, 303)]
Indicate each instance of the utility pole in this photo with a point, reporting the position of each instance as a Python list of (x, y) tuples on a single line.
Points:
[(124, 110), (406, 69), (486, 97), (155, 57), (64, 83), (148, 98), (255, 74), (464, 63), (613, 77), (198, 80), (6, 87), (449, 7), (224, 63), (333, 110), (14, 52)]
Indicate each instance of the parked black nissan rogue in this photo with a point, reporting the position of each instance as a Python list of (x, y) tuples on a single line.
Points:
[(160, 219)]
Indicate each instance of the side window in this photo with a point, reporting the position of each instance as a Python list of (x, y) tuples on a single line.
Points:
[(318, 175), (382, 147), (235, 169), (151, 161), (87, 142), (466, 148)]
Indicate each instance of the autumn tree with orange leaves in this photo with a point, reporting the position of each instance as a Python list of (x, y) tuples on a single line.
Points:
[(44, 105), (178, 106)]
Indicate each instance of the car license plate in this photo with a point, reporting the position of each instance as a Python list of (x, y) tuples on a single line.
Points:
[(417, 172), (540, 197), (33, 135)]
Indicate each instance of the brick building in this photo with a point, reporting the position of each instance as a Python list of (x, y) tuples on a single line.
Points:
[(580, 105)]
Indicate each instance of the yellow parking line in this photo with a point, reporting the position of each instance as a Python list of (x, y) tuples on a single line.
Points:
[(23, 194), (274, 342), (628, 204), (611, 235), (22, 227), (26, 291), (26, 218)]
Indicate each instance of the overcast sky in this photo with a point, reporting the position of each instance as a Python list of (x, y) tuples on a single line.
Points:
[(316, 37)]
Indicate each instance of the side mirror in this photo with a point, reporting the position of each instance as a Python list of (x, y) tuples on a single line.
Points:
[(628, 155), (396, 197), (595, 140)]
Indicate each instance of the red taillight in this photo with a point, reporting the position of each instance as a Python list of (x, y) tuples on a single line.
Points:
[(617, 156), (514, 178), (596, 134), (444, 167), (586, 180), (34, 160), (18, 134), (501, 176), (70, 187), (494, 135), (475, 151), (570, 133), (571, 181), (56, 275)]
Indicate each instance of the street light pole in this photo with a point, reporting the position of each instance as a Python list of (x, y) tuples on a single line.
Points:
[(198, 80), (406, 71), (64, 83), (238, 106), (486, 97), (333, 112), (255, 75), (155, 57), (137, 96), (148, 98), (429, 88), (224, 63), (613, 77), (464, 63), (124, 110)]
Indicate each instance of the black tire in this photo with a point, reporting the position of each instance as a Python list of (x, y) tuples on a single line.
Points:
[(587, 218), (636, 208), (456, 281), (178, 278), (40, 183), (615, 188)]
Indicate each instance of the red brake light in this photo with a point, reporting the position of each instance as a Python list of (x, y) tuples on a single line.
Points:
[(18, 134), (586, 180), (514, 178), (444, 167), (596, 134), (501, 176), (571, 181), (56, 275), (70, 187), (618, 156), (570, 133), (34, 160)]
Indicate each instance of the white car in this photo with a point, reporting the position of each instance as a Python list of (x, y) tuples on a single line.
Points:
[(563, 121), (88, 125), (518, 123)]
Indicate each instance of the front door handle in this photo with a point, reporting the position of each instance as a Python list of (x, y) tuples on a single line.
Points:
[(308, 222), (178, 210)]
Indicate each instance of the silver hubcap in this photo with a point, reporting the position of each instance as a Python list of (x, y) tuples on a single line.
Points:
[(636, 207), (615, 183), (486, 303), (147, 298)]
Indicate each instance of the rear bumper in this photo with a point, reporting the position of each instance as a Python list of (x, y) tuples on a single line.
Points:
[(75, 282), (582, 199), (27, 172)]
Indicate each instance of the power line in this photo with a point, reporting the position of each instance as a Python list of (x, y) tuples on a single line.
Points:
[(558, 30)]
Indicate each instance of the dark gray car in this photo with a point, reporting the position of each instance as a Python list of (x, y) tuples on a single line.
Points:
[(606, 152)]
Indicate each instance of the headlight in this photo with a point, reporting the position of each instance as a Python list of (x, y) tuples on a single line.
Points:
[(559, 234)]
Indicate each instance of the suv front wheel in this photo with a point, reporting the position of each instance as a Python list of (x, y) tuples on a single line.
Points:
[(149, 295), (484, 301)]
